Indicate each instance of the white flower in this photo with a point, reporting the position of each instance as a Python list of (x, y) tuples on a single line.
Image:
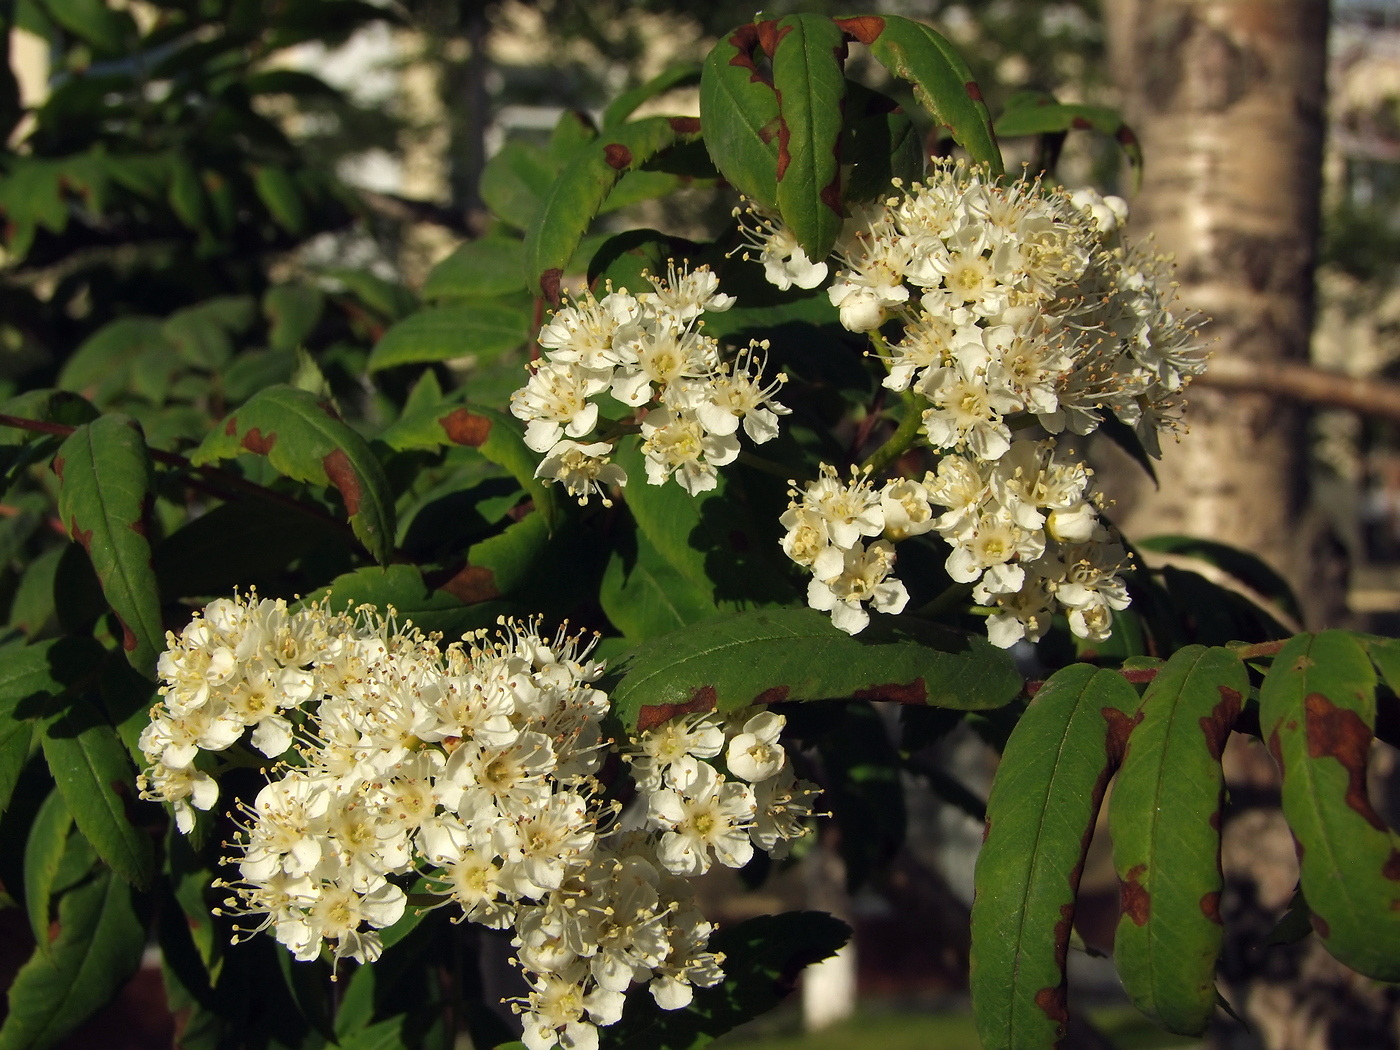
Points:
[(755, 753), (584, 469)]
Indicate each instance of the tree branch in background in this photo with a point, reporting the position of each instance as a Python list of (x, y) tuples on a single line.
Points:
[(1312, 386)]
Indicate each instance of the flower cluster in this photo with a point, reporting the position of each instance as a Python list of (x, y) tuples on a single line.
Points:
[(469, 774), (1015, 299), (650, 354), (1024, 529), (1017, 306), (842, 532)]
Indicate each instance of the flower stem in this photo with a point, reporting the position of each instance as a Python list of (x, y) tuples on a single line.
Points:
[(901, 440)]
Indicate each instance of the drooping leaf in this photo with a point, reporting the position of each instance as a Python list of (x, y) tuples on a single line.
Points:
[(306, 442), (941, 79), (581, 189), (100, 938), (810, 83), (762, 959), (1317, 713), (1164, 817), (483, 329), (1040, 815), (91, 767), (771, 655), (739, 115), (104, 501)]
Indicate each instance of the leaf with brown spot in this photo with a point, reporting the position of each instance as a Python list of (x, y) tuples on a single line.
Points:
[(808, 57), (652, 715), (463, 427), (1317, 706), (1041, 813), (745, 656), (1036, 113), (582, 188), (1164, 819), (1133, 899), (105, 495), (305, 442), (939, 74), (497, 435), (739, 115)]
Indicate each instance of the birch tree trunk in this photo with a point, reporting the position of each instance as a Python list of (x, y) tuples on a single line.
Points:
[(1227, 97)]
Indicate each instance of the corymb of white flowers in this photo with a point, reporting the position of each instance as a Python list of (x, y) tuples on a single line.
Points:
[(1014, 306), (649, 352), (468, 775)]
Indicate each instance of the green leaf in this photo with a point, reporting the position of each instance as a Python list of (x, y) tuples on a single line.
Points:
[(762, 958), (386, 298), (796, 654), (30, 676), (1040, 816), (644, 596), (101, 936), (293, 311), (811, 88), (626, 104), (90, 765), (571, 131), (403, 587), (1317, 712), (483, 329), (490, 266), (278, 191), (942, 81), (515, 181), (104, 501), (203, 334), (100, 368), (712, 539), (739, 115), (1164, 817), (1249, 569), (581, 189), (43, 853), (109, 31), (881, 144), (497, 435), (1034, 113), (186, 195), (304, 441)]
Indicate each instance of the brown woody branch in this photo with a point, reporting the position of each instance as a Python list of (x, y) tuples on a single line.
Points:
[(1299, 382)]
